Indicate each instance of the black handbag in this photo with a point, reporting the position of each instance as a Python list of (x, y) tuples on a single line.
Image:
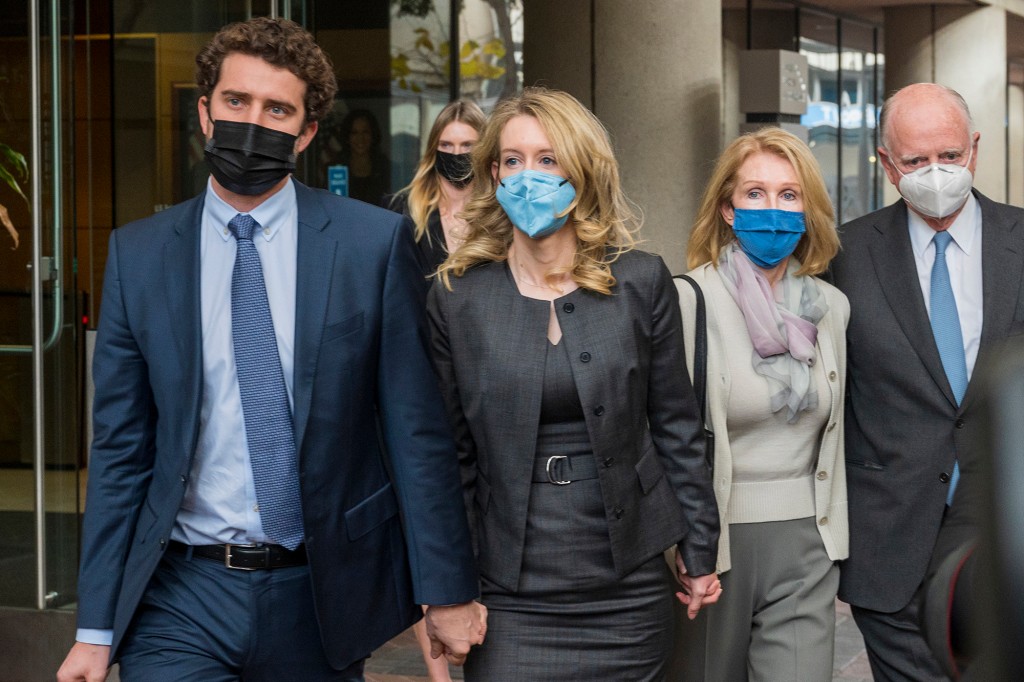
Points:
[(700, 370)]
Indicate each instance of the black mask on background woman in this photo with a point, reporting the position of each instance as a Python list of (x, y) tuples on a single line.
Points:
[(455, 168)]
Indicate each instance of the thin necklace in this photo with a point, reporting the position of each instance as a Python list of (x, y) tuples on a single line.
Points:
[(520, 274)]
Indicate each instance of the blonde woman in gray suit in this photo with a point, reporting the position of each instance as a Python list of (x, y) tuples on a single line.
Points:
[(558, 346), (776, 381)]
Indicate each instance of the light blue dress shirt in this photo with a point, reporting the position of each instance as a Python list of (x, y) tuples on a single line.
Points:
[(220, 499)]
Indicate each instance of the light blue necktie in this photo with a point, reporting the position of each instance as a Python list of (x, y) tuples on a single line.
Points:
[(268, 419), (948, 337)]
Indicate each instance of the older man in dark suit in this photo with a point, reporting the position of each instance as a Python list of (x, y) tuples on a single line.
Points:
[(934, 282), (273, 486)]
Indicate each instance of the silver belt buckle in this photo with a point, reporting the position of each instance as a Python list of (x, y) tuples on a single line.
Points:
[(551, 473), (227, 557)]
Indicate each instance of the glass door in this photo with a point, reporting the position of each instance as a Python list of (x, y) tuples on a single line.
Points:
[(40, 339)]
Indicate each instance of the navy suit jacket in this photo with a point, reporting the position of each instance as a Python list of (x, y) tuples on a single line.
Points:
[(374, 446)]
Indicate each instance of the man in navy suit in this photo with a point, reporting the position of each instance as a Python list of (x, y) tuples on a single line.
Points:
[(325, 471)]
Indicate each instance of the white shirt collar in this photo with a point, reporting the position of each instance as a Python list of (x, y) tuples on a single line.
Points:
[(963, 230)]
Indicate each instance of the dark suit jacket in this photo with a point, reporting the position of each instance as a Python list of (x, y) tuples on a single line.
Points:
[(363, 389), (628, 363), (431, 249), (903, 427)]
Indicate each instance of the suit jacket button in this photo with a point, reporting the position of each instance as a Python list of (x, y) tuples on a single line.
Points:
[(619, 512), (823, 521), (568, 307), (608, 462), (832, 375), (959, 423), (943, 477), (831, 426), (584, 356), (163, 542), (599, 410), (822, 475)]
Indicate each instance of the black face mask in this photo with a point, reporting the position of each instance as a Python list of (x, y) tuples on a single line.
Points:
[(455, 168), (247, 158)]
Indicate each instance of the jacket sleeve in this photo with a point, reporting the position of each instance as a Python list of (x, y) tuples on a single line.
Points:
[(121, 455), (441, 354), (418, 439), (675, 426)]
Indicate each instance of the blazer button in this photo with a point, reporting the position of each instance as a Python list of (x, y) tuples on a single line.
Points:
[(183, 480), (619, 512), (832, 375), (608, 462), (584, 356), (822, 475), (599, 410), (959, 423), (823, 521), (831, 426), (943, 477), (568, 307)]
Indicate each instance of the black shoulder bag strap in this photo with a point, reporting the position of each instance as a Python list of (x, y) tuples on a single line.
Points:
[(700, 368)]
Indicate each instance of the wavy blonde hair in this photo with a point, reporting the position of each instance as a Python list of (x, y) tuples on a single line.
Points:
[(711, 233), (423, 194), (601, 215)]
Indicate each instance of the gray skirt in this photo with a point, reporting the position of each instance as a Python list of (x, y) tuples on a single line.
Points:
[(571, 617)]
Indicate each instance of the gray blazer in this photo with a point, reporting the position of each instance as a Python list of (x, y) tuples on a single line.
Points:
[(903, 426), (627, 360)]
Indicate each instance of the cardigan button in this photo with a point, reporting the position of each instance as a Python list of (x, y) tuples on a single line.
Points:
[(832, 375), (822, 475), (584, 356), (823, 521), (831, 426), (568, 307)]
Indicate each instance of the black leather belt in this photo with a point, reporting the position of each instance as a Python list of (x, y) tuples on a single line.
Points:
[(246, 557), (563, 470)]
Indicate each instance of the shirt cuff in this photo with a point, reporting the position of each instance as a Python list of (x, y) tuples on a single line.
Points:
[(92, 636)]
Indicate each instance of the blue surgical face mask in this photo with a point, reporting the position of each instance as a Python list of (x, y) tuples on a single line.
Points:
[(768, 235), (533, 199)]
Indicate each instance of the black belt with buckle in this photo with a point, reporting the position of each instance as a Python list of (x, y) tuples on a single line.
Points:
[(246, 557), (563, 469)]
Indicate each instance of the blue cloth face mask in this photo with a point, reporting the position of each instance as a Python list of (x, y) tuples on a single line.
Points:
[(532, 201), (768, 235)]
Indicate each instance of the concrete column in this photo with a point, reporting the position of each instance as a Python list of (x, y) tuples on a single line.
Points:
[(1015, 142), (964, 48), (654, 78)]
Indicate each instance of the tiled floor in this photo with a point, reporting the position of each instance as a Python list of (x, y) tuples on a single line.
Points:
[(399, 660)]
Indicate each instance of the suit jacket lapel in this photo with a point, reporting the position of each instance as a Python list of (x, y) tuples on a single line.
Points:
[(896, 271), (1001, 268), (316, 255), (182, 294)]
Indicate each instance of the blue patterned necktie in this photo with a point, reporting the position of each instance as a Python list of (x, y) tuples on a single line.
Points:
[(948, 337), (268, 419)]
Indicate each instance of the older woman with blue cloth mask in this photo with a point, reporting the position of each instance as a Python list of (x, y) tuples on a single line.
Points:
[(560, 353), (776, 355)]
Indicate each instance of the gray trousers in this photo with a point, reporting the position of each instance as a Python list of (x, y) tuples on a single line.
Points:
[(776, 618)]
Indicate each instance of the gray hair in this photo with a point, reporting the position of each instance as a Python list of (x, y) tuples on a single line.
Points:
[(883, 117)]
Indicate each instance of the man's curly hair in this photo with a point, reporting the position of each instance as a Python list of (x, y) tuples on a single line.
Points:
[(281, 43)]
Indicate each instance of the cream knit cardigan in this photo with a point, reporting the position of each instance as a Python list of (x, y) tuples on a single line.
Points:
[(830, 472)]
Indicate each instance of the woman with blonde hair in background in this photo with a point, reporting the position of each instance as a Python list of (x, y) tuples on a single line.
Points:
[(442, 184), (559, 350), (776, 368)]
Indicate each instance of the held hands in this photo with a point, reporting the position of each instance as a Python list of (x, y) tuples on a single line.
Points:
[(85, 663), (453, 630), (697, 591)]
